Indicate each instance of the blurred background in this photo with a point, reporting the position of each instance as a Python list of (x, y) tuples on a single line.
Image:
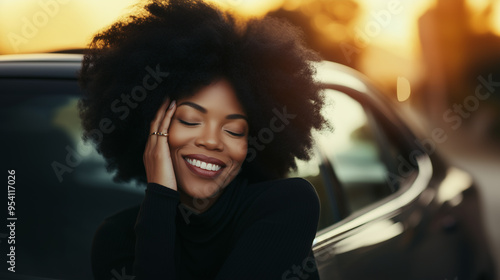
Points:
[(439, 46), (448, 51)]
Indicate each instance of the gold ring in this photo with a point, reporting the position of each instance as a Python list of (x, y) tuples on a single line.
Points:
[(159, 133)]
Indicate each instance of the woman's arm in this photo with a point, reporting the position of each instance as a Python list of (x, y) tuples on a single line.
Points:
[(139, 241), (155, 227), (155, 234)]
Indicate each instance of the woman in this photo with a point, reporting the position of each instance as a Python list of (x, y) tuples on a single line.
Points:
[(210, 114)]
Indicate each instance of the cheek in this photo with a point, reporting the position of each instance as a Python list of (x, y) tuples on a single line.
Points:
[(239, 151), (177, 137)]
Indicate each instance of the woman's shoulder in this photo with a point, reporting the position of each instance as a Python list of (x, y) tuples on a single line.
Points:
[(290, 204), (298, 188), (117, 228), (290, 194), (114, 241), (123, 219)]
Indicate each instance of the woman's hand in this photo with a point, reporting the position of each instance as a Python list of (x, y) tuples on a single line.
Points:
[(157, 161)]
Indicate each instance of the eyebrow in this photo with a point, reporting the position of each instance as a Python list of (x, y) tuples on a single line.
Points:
[(204, 111)]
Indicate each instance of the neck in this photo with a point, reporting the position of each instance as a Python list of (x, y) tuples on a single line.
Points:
[(198, 205)]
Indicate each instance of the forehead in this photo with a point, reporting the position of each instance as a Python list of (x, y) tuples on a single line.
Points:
[(218, 96)]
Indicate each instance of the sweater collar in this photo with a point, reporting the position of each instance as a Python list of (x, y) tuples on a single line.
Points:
[(204, 225)]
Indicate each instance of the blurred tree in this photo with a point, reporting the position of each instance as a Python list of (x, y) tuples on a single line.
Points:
[(458, 48), (327, 26)]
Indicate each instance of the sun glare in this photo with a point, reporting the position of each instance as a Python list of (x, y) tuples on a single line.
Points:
[(35, 26), (38, 26), (249, 8)]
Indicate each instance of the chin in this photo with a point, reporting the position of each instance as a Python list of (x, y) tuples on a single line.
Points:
[(200, 188), (203, 185)]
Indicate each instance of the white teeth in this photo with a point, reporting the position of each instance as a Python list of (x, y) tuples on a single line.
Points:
[(204, 165)]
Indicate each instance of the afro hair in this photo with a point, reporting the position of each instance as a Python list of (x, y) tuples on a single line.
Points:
[(172, 49)]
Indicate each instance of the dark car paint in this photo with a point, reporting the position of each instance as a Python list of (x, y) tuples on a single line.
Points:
[(435, 238), (418, 235)]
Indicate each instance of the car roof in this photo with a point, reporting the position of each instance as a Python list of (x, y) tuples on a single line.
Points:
[(42, 66), (331, 73), (61, 65)]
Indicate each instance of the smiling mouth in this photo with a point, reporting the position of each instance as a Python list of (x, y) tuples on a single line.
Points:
[(203, 165), (202, 168)]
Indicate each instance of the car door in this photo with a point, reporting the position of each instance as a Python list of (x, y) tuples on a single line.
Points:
[(62, 190), (371, 179)]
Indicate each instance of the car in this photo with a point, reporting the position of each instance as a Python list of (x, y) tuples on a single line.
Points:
[(391, 208)]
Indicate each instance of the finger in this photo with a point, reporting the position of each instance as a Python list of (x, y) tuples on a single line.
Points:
[(161, 145), (160, 114), (165, 124)]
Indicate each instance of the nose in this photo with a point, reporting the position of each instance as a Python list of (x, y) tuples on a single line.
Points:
[(210, 139)]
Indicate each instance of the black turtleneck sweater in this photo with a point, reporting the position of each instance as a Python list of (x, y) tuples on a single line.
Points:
[(253, 231)]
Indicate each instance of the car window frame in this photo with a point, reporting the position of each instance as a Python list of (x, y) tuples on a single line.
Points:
[(408, 191)]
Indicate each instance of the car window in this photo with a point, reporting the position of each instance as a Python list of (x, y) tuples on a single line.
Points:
[(62, 189), (355, 164)]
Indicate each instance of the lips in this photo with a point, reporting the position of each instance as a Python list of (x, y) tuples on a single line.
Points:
[(204, 166)]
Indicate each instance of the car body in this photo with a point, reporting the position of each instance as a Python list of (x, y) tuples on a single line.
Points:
[(390, 207)]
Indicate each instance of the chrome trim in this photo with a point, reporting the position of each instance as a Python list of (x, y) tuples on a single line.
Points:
[(405, 197), (41, 57)]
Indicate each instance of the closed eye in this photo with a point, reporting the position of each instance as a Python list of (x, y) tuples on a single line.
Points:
[(187, 123), (235, 134)]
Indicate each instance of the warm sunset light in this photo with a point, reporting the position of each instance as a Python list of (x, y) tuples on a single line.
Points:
[(53, 25), (385, 34), (403, 89), (31, 26), (249, 7), (34, 26)]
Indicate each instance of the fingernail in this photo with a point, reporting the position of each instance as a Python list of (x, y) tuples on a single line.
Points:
[(171, 105)]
